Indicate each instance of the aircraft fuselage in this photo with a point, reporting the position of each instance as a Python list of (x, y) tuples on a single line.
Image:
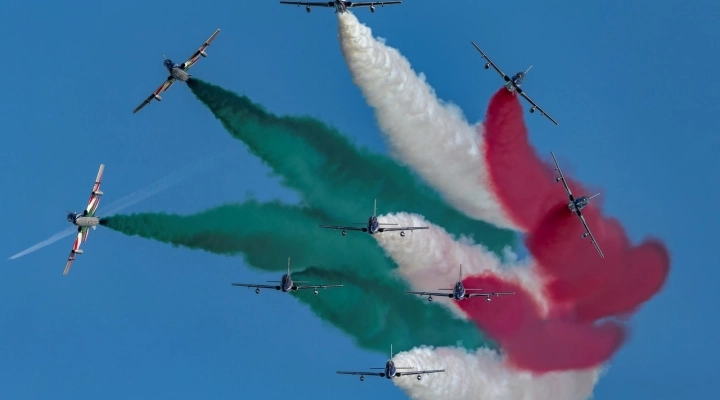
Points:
[(286, 283), (83, 221), (390, 369), (176, 70), (578, 204), (459, 291), (515, 82), (373, 226)]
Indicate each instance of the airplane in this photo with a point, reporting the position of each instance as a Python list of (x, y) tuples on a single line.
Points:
[(460, 292), (391, 371), (514, 82), (286, 284), (85, 220), (177, 72), (339, 5), (577, 204), (372, 226)]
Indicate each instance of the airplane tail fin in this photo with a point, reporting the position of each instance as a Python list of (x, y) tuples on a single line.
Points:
[(391, 352), (460, 274), (164, 57), (595, 195), (375, 209), (288, 266), (527, 70)]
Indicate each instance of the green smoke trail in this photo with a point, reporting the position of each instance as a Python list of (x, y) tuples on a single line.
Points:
[(333, 174), (372, 306)]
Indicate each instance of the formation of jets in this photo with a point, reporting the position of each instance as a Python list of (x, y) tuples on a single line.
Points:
[(340, 6), (390, 371), (179, 72), (373, 226)]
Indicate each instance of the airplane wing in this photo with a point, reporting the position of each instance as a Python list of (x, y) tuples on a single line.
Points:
[(468, 295), (592, 238), (375, 3), (276, 287), (156, 94), (489, 61), (407, 228), (561, 177), (200, 52), (537, 106), (75, 248), (430, 371), (95, 194), (380, 374), (311, 3), (316, 286), (431, 294), (345, 228)]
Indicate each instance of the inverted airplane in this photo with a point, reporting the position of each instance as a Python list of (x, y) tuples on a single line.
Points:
[(390, 371), (286, 284), (373, 226), (85, 220), (577, 204), (177, 72), (460, 292), (513, 83), (339, 5)]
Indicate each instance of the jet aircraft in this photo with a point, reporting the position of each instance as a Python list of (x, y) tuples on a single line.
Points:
[(577, 204), (177, 72), (513, 83), (339, 5), (85, 220), (460, 292), (286, 284), (391, 371), (372, 226)]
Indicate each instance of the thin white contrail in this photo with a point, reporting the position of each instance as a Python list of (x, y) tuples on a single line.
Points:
[(430, 135), (129, 200), (484, 375)]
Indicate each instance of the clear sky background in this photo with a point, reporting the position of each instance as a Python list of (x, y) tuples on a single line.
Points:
[(632, 84)]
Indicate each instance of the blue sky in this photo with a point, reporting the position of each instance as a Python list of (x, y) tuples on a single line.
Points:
[(632, 85)]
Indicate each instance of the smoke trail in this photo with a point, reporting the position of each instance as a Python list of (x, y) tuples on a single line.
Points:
[(127, 201), (535, 335), (433, 137), (483, 375), (331, 173), (627, 276), (371, 306)]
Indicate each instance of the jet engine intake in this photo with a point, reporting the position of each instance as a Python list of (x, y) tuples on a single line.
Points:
[(157, 97), (419, 377), (98, 193), (488, 299), (487, 65), (372, 8), (257, 290), (315, 291), (532, 110), (203, 53), (402, 233), (307, 8), (343, 233), (429, 298), (362, 378)]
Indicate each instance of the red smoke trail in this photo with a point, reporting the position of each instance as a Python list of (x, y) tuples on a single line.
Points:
[(535, 342), (581, 286)]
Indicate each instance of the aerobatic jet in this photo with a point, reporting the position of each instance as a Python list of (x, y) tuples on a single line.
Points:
[(85, 220), (460, 292), (577, 204), (390, 371), (177, 72), (372, 226), (339, 5), (286, 284), (513, 83)]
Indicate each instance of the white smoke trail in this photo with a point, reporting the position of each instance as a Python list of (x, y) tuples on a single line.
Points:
[(432, 257), (431, 136), (126, 201), (483, 375)]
